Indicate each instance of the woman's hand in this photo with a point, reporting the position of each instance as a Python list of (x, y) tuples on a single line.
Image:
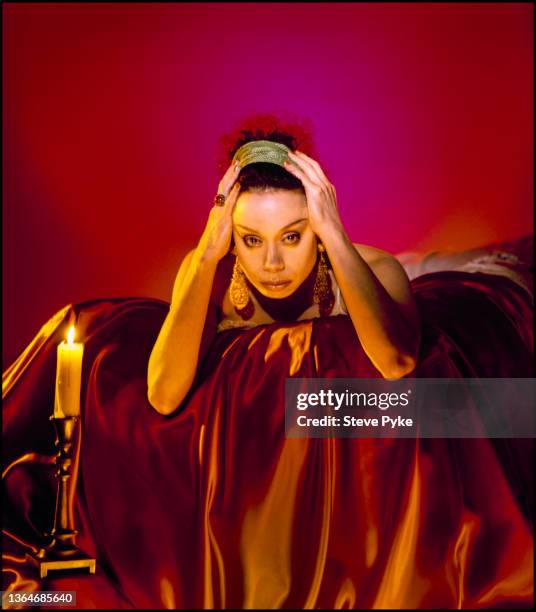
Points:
[(320, 193), (383, 311), (216, 238)]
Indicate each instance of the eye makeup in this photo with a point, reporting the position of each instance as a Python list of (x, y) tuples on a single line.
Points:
[(289, 239)]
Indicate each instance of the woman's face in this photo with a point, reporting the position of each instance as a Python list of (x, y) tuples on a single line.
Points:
[(275, 245)]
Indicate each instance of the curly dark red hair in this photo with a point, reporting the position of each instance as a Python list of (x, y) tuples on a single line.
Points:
[(264, 176)]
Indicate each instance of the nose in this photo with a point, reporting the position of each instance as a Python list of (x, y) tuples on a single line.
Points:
[(273, 261)]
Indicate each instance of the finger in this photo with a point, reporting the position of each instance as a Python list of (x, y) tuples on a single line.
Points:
[(229, 178), (231, 198), (312, 171), (334, 192), (314, 164), (231, 172), (300, 173), (219, 202), (306, 168)]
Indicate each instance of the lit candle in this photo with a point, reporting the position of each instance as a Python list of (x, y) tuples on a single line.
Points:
[(68, 377)]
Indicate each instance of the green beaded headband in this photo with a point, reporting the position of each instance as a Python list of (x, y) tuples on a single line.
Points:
[(262, 151)]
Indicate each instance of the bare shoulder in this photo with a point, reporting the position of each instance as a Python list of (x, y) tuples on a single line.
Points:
[(385, 265), (372, 254), (392, 275)]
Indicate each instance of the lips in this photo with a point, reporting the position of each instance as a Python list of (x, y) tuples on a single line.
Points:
[(276, 285)]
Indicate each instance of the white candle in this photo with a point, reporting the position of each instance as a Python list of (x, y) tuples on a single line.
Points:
[(68, 377)]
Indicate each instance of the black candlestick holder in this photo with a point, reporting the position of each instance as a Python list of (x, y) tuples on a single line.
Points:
[(61, 551)]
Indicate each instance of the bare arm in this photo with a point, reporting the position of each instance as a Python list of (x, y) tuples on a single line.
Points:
[(380, 303), (174, 358), (175, 355), (378, 298)]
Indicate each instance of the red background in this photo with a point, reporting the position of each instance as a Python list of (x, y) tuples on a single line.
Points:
[(422, 118)]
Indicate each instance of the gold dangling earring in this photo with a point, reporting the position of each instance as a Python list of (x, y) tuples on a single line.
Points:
[(321, 280), (322, 293), (239, 294)]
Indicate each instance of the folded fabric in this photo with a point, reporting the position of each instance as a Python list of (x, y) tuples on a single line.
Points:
[(213, 507)]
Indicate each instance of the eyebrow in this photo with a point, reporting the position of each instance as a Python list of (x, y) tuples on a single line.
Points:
[(283, 228)]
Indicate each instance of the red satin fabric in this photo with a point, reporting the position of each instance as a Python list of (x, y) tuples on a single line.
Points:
[(212, 507)]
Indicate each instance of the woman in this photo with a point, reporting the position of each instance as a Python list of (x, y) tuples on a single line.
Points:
[(213, 506), (283, 221)]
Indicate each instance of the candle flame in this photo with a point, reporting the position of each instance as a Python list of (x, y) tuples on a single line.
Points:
[(70, 335)]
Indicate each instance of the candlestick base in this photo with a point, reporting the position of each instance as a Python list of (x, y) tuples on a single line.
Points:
[(56, 558), (60, 551)]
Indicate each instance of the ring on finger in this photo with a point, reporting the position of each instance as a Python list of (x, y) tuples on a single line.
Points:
[(219, 200)]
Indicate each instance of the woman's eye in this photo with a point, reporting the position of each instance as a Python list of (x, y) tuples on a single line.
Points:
[(291, 238), (251, 241)]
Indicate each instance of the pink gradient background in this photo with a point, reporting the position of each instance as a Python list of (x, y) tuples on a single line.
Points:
[(422, 116)]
